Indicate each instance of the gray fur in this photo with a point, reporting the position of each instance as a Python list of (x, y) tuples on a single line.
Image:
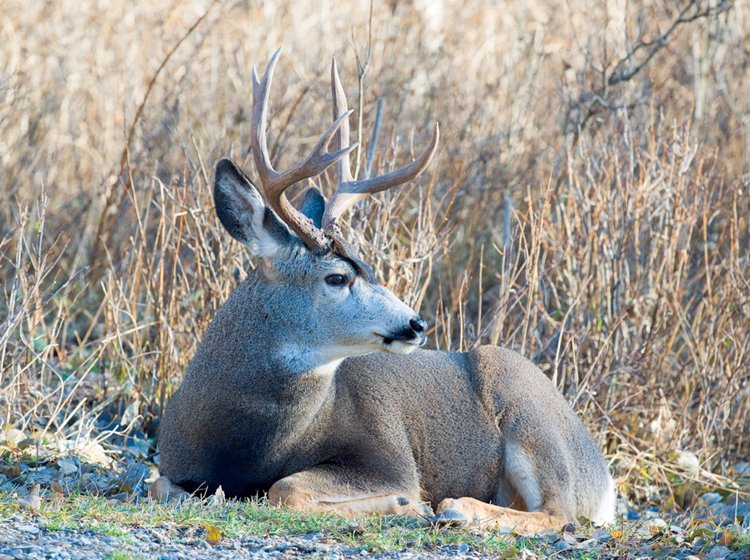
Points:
[(261, 402)]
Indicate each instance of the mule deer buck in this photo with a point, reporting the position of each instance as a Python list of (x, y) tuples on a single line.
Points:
[(310, 383)]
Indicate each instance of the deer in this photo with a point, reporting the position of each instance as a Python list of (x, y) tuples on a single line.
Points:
[(311, 385)]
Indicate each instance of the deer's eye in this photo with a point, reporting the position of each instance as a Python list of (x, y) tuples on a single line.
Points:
[(337, 279)]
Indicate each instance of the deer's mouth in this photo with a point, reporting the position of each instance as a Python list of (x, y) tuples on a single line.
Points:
[(401, 343)]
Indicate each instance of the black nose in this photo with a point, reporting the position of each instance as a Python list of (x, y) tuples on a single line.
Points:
[(418, 325)]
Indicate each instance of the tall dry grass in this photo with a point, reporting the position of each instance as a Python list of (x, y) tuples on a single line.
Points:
[(589, 205)]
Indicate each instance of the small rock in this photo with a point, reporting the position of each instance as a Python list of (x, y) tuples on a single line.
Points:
[(32, 501), (632, 515), (717, 553), (30, 529), (569, 538), (710, 498), (657, 525), (699, 544), (67, 465), (602, 535), (569, 528), (463, 547)]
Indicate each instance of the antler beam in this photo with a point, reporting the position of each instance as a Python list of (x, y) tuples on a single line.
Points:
[(274, 183)]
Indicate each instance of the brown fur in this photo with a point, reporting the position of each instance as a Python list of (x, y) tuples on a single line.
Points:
[(289, 394), (424, 426)]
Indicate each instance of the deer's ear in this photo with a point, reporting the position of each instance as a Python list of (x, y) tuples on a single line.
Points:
[(313, 206), (244, 215)]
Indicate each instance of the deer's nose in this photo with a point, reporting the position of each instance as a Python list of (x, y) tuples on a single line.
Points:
[(418, 325)]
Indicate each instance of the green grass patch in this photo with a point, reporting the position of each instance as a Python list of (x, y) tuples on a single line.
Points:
[(237, 519)]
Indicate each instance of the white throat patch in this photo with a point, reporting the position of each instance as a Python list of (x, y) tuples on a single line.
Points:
[(327, 369)]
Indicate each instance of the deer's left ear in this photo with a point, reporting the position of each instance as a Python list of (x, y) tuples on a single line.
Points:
[(313, 206)]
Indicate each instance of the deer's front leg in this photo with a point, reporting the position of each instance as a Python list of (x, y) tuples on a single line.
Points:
[(487, 516), (349, 494)]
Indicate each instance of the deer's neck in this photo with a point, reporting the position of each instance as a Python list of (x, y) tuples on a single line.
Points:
[(255, 358), (296, 360), (298, 391)]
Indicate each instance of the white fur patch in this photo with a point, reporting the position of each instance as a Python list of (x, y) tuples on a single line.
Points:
[(262, 244), (250, 210), (605, 514), (301, 359), (521, 476), (328, 369), (399, 347)]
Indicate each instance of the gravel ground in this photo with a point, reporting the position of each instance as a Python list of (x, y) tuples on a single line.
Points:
[(25, 539)]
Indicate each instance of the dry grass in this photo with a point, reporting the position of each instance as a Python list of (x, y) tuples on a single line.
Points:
[(596, 221)]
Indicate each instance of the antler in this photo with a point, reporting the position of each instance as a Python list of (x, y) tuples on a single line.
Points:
[(274, 183), (350, 191)]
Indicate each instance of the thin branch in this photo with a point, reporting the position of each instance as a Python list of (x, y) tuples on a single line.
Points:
[(658, 44), (373, 138), (590, 104), (363, 64)]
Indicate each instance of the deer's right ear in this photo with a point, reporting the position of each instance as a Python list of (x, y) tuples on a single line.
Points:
[(313, 206), (242, 212)]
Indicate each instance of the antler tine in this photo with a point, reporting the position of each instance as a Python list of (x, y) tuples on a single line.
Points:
[(342, 136), (275, 183), (349, 191)]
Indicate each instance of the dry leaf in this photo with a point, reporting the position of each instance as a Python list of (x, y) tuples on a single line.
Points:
[(94, 453), (58, 489), (32, 501), (688, 461), (704, 533), (663, 426), (657, 526), (725, 539), (67, 466), (510, 553), (213, 535), (12, 436)]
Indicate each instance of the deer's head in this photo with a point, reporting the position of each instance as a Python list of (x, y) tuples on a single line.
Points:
[(312, 283)]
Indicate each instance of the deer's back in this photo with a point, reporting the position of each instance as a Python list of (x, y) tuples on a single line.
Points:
[(462, 411)]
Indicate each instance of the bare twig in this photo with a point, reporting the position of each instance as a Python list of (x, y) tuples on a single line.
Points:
[(363, 64), (373, 138), (689, 13)]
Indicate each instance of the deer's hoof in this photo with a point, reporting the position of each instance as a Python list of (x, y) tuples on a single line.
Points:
[(163, 490), (411, 508)]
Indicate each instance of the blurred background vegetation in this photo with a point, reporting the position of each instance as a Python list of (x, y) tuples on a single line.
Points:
[(588, 205)]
